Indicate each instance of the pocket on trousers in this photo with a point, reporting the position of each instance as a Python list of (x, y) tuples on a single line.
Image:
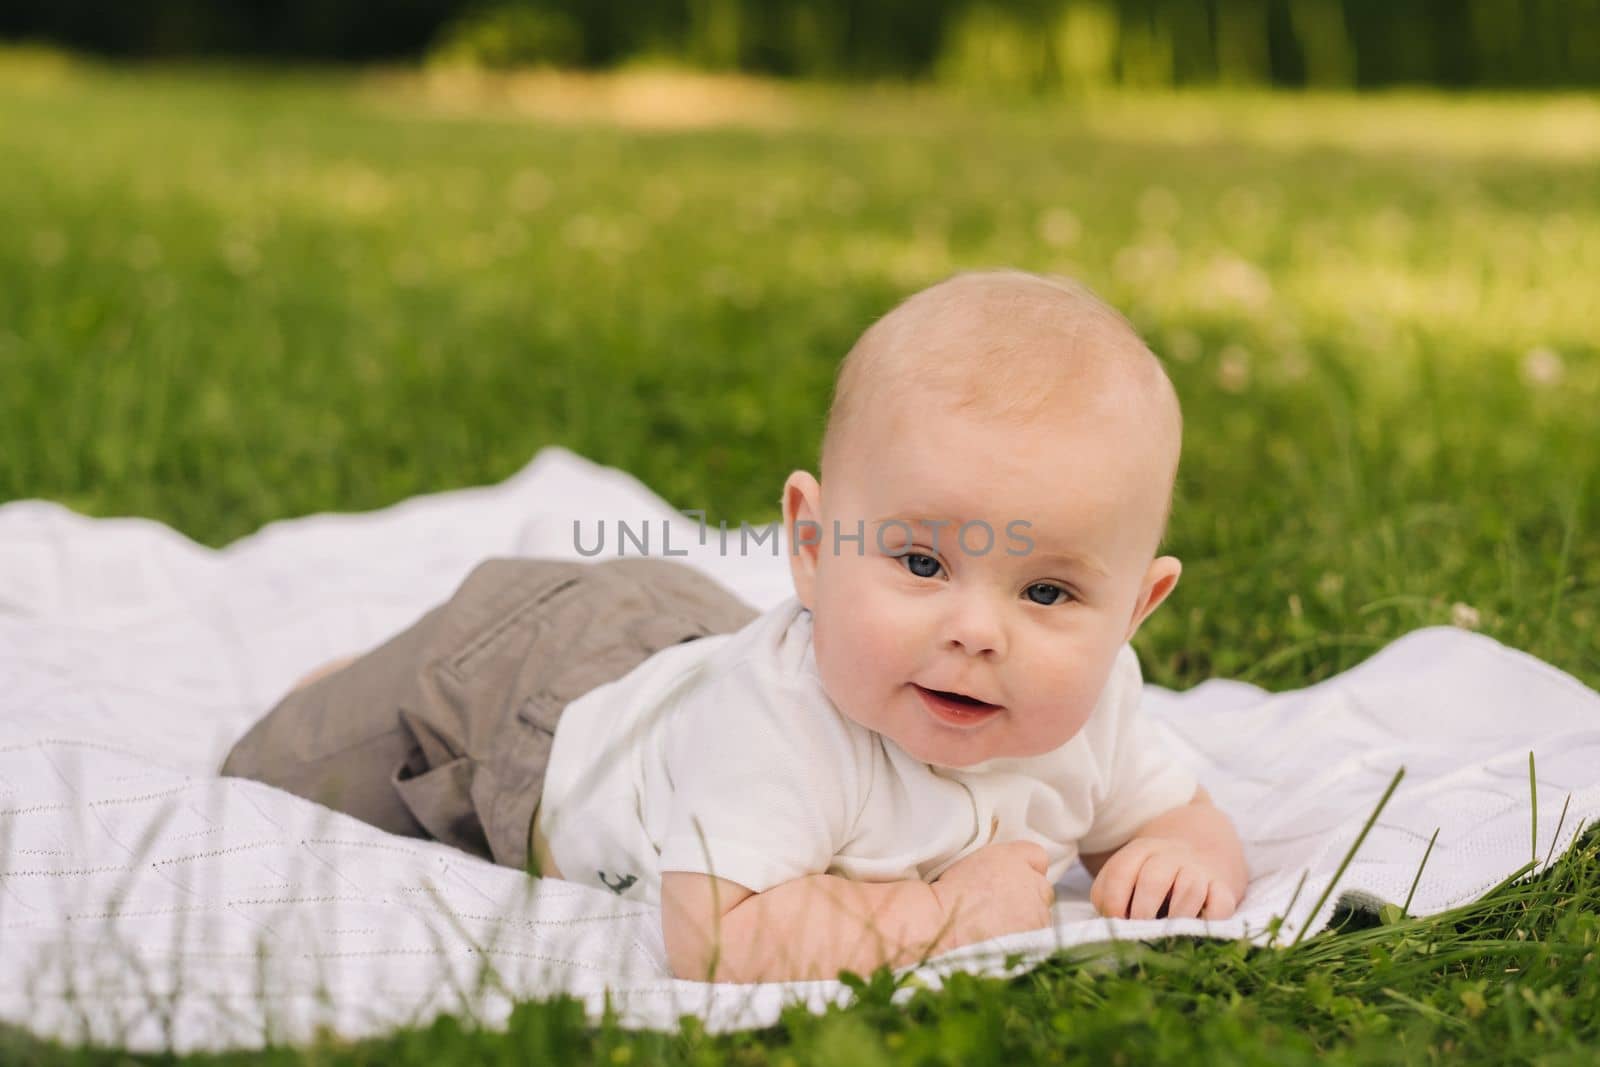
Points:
[(597, 658), (441, 800), (517, 628)]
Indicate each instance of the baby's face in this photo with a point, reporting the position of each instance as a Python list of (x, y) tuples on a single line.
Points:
[(1066, 509)]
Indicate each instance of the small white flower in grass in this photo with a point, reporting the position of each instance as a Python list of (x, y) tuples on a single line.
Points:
[(1059, 227), (1233, 369), (1465, 616), (1543, 367)]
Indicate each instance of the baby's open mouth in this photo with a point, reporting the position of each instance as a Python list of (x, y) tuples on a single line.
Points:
[(957, 709), (962, 698)]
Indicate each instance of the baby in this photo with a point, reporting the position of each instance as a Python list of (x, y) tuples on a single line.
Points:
[(907, 754)]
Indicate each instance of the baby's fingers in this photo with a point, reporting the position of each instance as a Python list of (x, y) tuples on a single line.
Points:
[(1155, 882), (1220, 902), (1113, 887), (1188, 895), (1031, 854)]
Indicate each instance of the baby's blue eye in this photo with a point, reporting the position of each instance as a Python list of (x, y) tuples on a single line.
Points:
[(920, 565), (1049, 589)]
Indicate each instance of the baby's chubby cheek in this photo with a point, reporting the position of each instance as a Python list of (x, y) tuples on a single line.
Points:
[(859, 654), (838, 638)]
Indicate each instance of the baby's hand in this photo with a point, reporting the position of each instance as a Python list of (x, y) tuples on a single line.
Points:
[(1148, 872), (999, 889)]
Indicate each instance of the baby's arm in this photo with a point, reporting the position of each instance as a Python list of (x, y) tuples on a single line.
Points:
[(324, 670), (1190, 858), (818, 925)]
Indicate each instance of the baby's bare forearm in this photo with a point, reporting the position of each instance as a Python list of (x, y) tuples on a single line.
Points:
[(819, 925)]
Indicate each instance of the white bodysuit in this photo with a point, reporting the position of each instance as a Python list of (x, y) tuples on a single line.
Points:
[(724, 756)]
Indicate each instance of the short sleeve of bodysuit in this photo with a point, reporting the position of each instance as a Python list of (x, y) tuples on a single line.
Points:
[(1139, 776), (764, 781)]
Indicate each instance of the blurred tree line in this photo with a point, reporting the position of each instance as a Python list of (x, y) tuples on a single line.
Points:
[(1025, 45)]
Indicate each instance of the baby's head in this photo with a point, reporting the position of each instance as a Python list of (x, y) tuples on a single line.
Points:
[(1007, 447)]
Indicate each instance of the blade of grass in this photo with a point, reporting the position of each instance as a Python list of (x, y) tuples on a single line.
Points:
[(1510, 878), (1426, 1009), (1289, 910), (1405, 909), (1533, 793), (1350, 855), (1557, 835)]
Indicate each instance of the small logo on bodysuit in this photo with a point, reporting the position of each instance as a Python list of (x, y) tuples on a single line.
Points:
[(620, 886)]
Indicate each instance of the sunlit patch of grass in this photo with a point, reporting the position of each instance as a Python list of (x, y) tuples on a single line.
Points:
[(1482, 127), (638, 97), (37, 66)]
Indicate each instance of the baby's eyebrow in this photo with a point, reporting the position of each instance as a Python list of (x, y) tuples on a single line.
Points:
[(926, 521), (1065, 558), (1071, 559)]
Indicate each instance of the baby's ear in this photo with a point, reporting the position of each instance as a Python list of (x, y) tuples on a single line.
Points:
[(802, 531), (1159, 580)]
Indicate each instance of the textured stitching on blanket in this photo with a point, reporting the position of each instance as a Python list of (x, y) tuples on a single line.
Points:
[(381, 846), (76, 742), (159, 955), (36, 808), (499, 920), (252, 846), (107, 802)]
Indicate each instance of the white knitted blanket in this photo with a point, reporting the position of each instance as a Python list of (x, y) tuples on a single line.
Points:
[(146, 902)]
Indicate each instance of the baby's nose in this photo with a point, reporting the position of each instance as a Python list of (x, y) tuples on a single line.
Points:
[(976, 629)]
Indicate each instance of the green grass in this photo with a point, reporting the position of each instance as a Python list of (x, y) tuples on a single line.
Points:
[(228, 299)]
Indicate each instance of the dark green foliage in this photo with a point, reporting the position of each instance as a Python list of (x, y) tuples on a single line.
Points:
[(1017, 44)]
